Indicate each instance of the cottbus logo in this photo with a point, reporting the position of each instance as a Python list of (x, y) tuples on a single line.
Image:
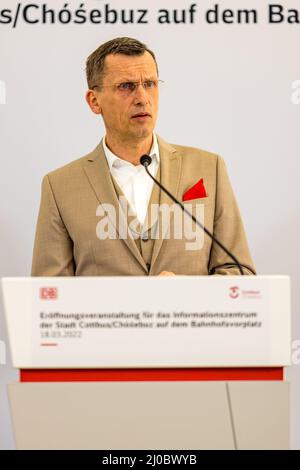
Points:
[(234, 292), (48, 293)]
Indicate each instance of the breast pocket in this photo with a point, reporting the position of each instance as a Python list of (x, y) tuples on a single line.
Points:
[(201, 200)]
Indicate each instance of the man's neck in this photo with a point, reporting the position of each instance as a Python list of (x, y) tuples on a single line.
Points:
[(129, 151)]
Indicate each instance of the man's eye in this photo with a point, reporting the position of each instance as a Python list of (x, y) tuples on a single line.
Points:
[(126, 86), (149, 84)]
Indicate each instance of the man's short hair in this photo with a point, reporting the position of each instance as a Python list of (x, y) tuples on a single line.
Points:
[(95, 63)]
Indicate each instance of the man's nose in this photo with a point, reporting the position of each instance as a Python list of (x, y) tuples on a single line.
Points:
[(141, 96)]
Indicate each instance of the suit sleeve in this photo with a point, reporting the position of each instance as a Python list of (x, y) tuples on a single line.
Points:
[(228, 229), (53, 247)]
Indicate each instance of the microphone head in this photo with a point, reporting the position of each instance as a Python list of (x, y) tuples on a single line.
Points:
[(145, 160)]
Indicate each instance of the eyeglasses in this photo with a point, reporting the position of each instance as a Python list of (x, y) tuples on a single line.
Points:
[(128, 88)]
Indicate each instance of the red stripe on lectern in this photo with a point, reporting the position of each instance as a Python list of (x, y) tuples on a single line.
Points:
[(150, 375)]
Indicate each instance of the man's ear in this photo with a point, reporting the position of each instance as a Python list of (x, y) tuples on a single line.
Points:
[(92, 99)]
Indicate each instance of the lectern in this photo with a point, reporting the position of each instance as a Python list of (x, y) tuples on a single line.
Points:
[(181, 362)]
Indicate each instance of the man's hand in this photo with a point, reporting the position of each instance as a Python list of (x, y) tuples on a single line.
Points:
[(166, 273)]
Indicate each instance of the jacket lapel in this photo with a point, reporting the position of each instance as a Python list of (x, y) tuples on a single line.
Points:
[(98, 174), (170, 173), (153, 206)]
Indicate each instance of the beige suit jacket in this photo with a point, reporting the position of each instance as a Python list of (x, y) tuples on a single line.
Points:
[(66, 243)]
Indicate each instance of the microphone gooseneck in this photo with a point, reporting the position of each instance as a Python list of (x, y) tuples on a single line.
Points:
[(146, 160)]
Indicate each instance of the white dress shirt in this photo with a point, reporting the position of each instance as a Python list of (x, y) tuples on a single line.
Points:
[(133, 180)]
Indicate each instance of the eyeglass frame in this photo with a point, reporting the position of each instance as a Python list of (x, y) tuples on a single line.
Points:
[(136, 84)]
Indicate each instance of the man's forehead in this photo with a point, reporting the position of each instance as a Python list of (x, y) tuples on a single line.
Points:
[(120, 64)]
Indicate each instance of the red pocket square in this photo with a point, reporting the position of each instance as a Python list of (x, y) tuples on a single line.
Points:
[(195, 192)]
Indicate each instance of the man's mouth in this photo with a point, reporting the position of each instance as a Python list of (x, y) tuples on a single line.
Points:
[(141, 116)]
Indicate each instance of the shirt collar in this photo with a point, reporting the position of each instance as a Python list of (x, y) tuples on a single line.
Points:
[(114, 161)]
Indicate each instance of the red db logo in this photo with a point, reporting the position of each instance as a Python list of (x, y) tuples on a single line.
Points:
[(48, 293), (234, 292)]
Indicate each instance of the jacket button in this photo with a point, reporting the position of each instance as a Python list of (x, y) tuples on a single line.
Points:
[(148, 266), (145, 239)]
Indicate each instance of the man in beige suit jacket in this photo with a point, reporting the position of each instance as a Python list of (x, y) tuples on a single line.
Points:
[(83, 229)]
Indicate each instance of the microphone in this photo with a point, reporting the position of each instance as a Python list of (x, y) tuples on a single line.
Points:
[(146, 160)]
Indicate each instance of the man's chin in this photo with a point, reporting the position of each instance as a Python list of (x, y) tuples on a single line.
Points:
[(142, 133)]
